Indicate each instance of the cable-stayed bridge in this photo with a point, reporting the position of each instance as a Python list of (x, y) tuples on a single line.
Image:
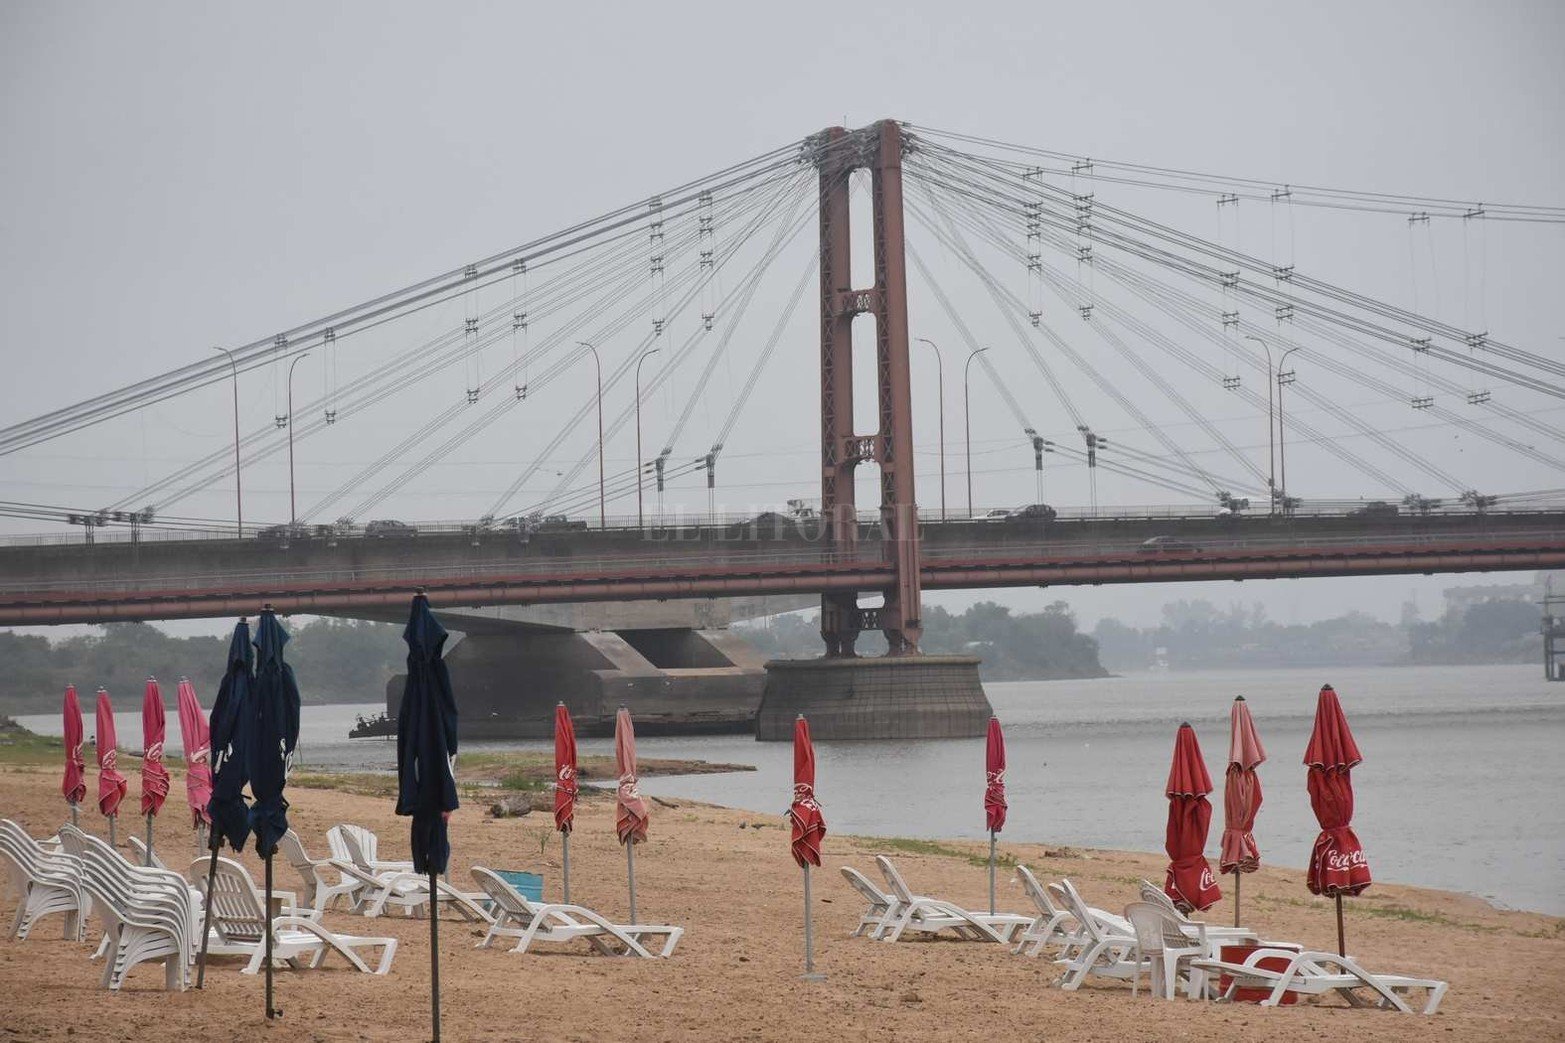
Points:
[(1102, 341)]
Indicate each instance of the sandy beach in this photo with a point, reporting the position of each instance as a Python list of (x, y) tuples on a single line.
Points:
[(725, 875)]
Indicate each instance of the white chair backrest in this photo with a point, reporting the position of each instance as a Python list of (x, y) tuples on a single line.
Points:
[(140, 847), (899, 887), (505, 896), (237, 913), (337, 845), (361, 846), (1146, 920), (1036, 892), (1080, 910), (863, 885)]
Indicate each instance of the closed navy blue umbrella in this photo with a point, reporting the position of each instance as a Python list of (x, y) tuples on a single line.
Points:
[(231, 722), (426, 759), (274, 734)]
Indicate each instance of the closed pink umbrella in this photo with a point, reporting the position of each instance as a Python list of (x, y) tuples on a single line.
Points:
[(197, 740), (630, 807), (74, 786), (1241, 797), (1338, 865), (112, 786), (994, 793), (154, 776), (1189, 881)]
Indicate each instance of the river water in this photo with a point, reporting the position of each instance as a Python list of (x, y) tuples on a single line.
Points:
[(1462, 785)]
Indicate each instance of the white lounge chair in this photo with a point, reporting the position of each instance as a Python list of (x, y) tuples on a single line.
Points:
[(518, 917), (408, 891), (1317, 973), (324, 882), (1107, 949), (1054, 926), (238, 928), (925, 915), (46, 882), (1164, 949), (883, 907), (361, 846)]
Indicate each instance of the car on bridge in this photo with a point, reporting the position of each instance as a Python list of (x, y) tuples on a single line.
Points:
[(1167, 545), (1375, 509), (1033, 512), (383, 528)]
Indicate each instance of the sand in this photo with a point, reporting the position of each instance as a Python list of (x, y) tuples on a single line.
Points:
[(735, 975)]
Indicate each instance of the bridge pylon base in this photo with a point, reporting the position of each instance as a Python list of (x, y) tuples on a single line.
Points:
[(902, 697)]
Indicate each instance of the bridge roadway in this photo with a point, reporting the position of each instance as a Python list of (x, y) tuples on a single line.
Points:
[(168, 578)]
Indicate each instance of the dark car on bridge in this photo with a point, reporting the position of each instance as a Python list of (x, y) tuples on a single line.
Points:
[(1375, 509), (1033, 512), (387, 527), (1167, 545)]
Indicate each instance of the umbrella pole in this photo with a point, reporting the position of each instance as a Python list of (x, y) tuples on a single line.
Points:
[(271, 1012), (991, 872), (74, 814), (434, 956), (565, 870), (1237, 878), (630, 865), (809, 933), (149, 840), (1342, 948), (112, 841), (206, 917)]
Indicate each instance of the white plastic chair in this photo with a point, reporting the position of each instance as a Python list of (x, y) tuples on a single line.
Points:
[(1164, 948), (321, 891), (518, 917), (238, 928), (149, 916), (46, 882), (1317, 973)]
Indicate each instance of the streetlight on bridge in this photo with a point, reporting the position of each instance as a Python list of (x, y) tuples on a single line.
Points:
[(1271, 425), (1283, 378), (640, 522), (967, 424), (293, 502), (239, 496), (603, 518), (940, 377)]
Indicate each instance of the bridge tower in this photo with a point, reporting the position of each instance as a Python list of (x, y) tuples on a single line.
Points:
[(837, 154), (905, 693)]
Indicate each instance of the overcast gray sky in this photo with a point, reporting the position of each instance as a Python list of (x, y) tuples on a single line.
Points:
[(180, 175)]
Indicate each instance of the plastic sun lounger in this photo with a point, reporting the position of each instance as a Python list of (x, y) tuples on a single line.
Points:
[(1317, 973), (409, 891), (320, 890), (883, 907), (1106, 950), (931, 916), (1053, 925), (238, 928), (527, 921)]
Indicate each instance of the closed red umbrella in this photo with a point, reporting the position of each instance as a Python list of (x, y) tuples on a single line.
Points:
[(1337, 863), (154, 776), (630, 807), (1241, 797), (196, 737), (809, 826), (112, 786), (565, 788), (74, 786), (994, 792), (1189, 881)]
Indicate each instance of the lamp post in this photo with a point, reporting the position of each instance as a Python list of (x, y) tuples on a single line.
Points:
[(239, 496), (640, 522), (603, 518), (1282, 441), (1271, 425), (1040, 445), (293, 502), (940, 377), (967, 424)]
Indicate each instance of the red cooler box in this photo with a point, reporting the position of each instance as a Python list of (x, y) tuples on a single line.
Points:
[(1241, 953)]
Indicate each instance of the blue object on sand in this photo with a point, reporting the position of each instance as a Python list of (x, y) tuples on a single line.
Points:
[(528, 885)]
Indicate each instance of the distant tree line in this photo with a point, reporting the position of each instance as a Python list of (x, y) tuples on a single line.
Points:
[(336, 660), (1013, 646), (1197, 634)]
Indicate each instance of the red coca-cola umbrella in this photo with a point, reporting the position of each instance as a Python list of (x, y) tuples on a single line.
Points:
[(565, 789), (1189, 881), (630, 807), (809, 825), (1337, 863), (197, 739), (74, 786), (994, 793), (154, 776), (1241, 797), (112, 786)]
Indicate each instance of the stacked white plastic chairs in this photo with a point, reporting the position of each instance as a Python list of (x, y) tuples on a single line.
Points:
[(45, 881), (149, 915)]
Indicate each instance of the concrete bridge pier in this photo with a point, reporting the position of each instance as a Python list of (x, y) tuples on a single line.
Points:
[(886, 697)]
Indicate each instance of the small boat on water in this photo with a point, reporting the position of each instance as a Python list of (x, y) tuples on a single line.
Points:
[(380, 726)]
